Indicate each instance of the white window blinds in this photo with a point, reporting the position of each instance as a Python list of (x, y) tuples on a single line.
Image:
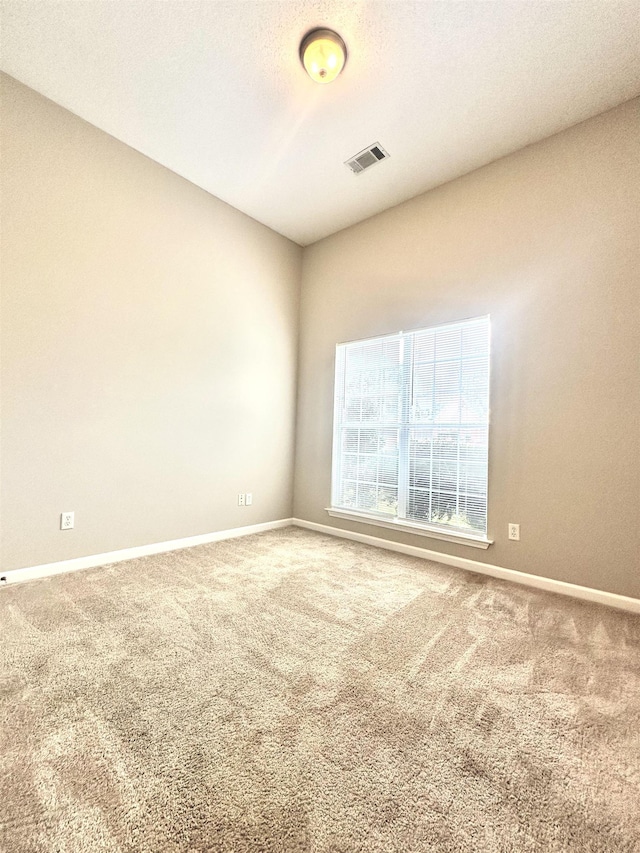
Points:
[(411, 426)]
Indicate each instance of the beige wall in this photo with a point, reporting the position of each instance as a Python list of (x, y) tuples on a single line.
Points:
[(149, 344), (546, 241), (149, 337)]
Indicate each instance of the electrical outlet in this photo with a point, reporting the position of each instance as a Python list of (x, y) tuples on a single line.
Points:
[(248, 499), (66, 520), (514, 532), (241, 500)]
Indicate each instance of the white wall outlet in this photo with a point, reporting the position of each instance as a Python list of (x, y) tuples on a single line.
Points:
[(248, 499), (241, 500), (66, 520), (514, 532)]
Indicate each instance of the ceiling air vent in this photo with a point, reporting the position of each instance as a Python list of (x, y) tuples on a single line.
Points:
[(369, 157)]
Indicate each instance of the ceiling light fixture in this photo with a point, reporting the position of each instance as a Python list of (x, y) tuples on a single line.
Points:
[(323, 54)]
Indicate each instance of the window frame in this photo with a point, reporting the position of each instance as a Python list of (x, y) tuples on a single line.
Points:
[(404, 424)]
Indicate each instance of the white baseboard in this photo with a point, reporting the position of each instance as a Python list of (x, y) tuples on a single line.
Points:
[(585, 593), (611, 599), (27, 574)]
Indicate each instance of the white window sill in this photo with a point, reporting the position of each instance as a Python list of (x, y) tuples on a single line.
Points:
[(409, 527)]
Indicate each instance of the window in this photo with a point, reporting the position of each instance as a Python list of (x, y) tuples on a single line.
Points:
[(411, 426)]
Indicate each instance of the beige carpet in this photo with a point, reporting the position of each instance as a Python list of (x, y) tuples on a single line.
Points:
[(294, 692)]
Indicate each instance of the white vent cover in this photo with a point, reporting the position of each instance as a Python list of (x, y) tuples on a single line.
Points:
[(367, 158)]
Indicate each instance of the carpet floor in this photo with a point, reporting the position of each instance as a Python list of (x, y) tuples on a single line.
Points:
[(290, 691)]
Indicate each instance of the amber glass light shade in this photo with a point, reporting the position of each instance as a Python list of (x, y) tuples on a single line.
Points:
[(323, 54)]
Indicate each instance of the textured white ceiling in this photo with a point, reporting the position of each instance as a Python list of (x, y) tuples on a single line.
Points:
[(215, 90)]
